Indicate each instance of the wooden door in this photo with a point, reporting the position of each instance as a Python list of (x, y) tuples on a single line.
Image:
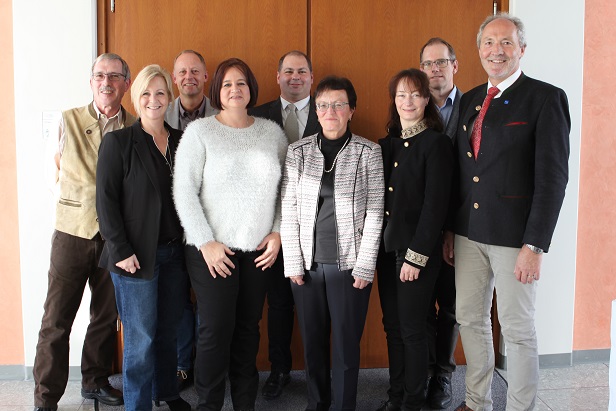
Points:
[(367, 41)]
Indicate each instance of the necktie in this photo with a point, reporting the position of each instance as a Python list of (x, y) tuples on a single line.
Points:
[(291, 126), (476, 134)]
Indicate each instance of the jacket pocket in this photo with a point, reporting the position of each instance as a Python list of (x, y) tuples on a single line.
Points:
[(69, 203)]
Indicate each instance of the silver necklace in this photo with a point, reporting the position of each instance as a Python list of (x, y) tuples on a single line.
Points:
[(167, 153), (335, 158)]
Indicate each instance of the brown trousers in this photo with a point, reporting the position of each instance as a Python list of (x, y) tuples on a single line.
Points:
[(74, 261)]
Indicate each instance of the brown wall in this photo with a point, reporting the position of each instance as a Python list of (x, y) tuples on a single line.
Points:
[(11, 324), (595, 286)]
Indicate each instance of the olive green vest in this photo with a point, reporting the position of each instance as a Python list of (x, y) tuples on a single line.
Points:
[(76, 207)]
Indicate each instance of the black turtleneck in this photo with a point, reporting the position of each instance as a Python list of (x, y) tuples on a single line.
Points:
[(326, 244)]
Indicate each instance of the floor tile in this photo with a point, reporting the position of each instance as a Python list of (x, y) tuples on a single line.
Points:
[(579, 376), (576, 399)]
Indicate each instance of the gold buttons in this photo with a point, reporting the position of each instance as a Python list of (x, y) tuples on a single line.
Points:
[(391, 189), (476, 205), (477, 108), (406, 144), (387, 213), (469, 154), (464, 127), (395, 164), (476, 179)]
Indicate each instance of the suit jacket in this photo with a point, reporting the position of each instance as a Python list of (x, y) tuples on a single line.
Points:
[(273, 111), (128, 201), (417, 203), (172, 116), (512, 194), (452, 124)]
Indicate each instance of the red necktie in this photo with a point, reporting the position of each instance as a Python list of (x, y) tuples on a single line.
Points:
[(476, 134)]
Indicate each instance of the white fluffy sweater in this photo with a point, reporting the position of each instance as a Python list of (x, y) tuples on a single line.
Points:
[(226, 182)]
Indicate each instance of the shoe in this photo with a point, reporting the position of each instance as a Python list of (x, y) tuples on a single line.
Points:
[(107, 395), (45, 408), (184, 379), (439, 392), (388, 406), (463, 407), (178, 405), (274, 385)]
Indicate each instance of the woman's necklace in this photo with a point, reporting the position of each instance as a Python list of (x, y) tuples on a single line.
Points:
[(335, 158), (166, 155)]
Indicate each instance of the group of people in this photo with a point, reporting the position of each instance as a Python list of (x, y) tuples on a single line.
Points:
[(209, 193)]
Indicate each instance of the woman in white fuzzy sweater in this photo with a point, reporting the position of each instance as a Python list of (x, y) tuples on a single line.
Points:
[(227, 174)]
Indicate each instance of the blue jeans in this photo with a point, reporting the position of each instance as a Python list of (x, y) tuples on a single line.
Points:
[(150, 311)]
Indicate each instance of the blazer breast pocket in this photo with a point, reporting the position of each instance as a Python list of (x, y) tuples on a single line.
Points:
[(516, 123)]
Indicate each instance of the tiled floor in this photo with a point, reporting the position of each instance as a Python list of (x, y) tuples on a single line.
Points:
[(583, 387)]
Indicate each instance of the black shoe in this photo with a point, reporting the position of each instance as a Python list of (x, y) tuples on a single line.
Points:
[(184, 379), (45, 408), (178, 405), (274, 385), (439, 392), (388, 406), (107, 395)]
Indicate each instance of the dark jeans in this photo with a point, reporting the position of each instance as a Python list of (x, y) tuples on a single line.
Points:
[(329, 305), (150, 313), (74, 261), (229, 313), (280, 318), (442, 326), (405, 310)]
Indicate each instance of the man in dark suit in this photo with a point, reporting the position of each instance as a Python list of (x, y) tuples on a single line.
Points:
[(295, 112), (438, 60), (513, 150)]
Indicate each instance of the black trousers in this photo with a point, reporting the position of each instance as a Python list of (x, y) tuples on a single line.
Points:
[(405, 310), (280, 317), (74, 262), (229, 313), (442, 326), (329, 306)]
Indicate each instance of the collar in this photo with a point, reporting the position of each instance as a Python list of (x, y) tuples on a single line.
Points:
[(299, 105), (414, 130), (505, 84), (197, 113), (118, 115)]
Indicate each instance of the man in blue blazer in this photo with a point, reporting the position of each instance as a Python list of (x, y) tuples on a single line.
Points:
[(513, 170), (438, 60), (295, 112)]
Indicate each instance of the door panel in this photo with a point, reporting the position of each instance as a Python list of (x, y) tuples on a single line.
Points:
[(366, 41)]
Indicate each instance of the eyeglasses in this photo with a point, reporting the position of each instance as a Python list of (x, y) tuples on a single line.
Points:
[(337, 106), (110, 76), (440, 63)]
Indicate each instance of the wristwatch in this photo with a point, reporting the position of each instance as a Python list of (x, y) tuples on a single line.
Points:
[(534, 249)]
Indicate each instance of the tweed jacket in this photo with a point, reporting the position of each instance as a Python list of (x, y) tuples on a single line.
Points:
[(358, 199)]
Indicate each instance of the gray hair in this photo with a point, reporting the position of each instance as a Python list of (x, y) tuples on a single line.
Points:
[(112, 56), (503, 15)]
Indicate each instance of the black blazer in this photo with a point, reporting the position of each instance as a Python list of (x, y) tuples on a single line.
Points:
[(128, 200), (513, 193), (417, 204), (273, 111)]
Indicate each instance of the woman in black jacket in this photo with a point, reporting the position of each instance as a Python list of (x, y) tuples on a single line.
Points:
[(418, 166), (144, 248)]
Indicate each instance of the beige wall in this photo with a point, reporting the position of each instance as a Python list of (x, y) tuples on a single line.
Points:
[(11, 326), (596, 254)]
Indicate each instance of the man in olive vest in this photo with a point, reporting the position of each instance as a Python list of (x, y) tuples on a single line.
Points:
[(77, 245)]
